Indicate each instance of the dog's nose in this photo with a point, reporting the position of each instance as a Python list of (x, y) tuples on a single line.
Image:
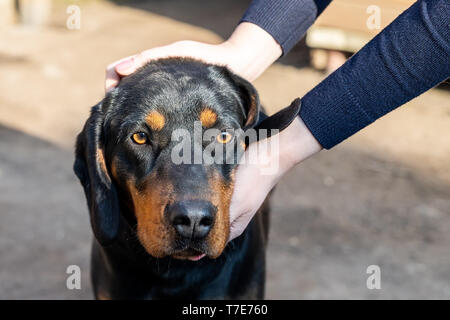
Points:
[(192, 219)]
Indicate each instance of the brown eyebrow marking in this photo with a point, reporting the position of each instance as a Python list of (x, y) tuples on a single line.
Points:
[(208, 117), (155, 120)]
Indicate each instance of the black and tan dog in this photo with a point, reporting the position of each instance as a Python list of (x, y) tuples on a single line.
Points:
[(161, 228)]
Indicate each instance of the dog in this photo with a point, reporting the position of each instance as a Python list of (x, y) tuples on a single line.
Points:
[(161, 228)]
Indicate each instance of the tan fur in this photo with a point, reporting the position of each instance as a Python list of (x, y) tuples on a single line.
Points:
[(155, 120), (153, 232), (208, 117), (101, 162), (252, 111), (220, 197)]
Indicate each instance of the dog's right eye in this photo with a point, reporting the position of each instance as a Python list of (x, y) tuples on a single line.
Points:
[(139, 138)]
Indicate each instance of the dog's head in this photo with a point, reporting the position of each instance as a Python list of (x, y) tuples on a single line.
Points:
[(148, 144)]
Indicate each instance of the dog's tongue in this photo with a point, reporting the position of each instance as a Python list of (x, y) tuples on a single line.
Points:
[(196, 258)]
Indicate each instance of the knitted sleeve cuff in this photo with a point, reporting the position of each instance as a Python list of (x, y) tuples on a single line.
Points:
[(285, 20)]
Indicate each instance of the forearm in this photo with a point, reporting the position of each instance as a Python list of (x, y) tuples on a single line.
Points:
[(407, 58), (296, 145), (398, 65)]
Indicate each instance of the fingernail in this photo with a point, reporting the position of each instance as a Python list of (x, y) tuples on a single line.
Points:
[(124, 65)]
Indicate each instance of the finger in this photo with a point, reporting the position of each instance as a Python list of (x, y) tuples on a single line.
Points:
[(239, 218), (112, 79), (130, 65), (236, 229)]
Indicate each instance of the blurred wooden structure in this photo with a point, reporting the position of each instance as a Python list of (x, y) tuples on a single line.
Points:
[(347, 25), (7, 12), (32, 13)]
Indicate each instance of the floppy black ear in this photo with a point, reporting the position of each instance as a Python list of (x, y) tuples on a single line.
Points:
[(250, 99), (90, 168), (280, 120)]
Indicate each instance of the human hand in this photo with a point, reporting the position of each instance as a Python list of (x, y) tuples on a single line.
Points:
[(248, 52), (253, 184)]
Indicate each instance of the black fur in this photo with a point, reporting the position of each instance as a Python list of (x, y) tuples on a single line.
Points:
[(120, 267)]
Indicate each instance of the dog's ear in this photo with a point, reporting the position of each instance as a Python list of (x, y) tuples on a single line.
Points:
[(90, 167), (280, 120), (250, 100), (258, 120)]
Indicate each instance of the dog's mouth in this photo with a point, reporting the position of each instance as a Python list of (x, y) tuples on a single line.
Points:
[(189, 254)]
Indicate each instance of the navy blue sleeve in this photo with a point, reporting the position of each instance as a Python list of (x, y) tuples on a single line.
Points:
[(321, 5), (408, 57), (285, 20)]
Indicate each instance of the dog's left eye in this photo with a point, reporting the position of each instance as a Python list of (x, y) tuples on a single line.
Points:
[(224, 137), (139, 137)]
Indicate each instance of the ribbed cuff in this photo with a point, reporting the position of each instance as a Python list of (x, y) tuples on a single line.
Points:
[(332, 115), (285, 20)]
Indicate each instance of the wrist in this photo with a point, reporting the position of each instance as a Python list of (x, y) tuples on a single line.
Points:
[(293, 145), (253, 50), (296, 144)]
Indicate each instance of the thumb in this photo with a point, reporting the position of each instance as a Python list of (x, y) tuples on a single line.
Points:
[(237, 227), (130, 65)]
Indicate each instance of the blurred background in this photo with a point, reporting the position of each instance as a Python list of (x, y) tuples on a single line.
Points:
[(380, 198)]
